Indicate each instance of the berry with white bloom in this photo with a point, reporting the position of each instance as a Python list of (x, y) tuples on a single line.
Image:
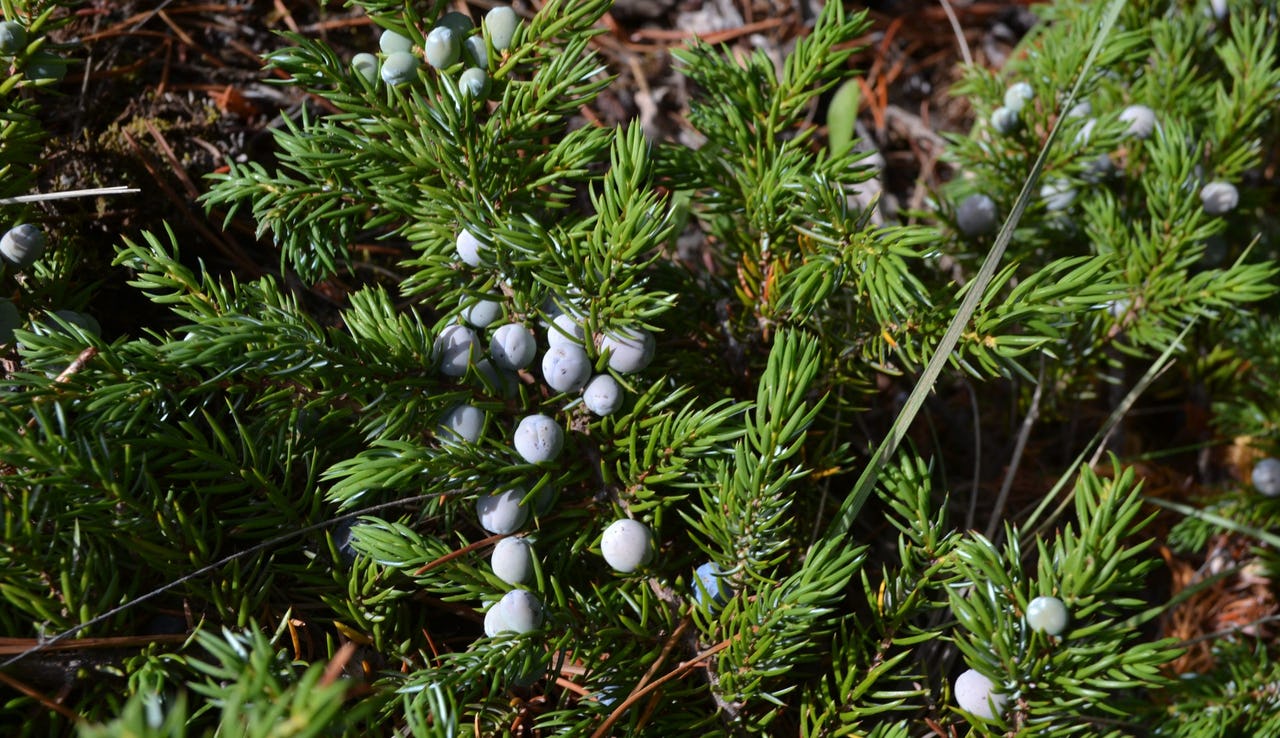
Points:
[(443, 47), (976, 695), (399, 67), (1004, 120), (710, 583), (1266, 477), (1219, 198), (512, 560), (390, 42), (1047, 615), (629, 350), (627, 545), (976, 215), (502, 513), (519, 612), (1018, 95), (468, 248), (500, 25), (1141, 120), (367, 65), (482, 312), (565, 330), (1080, 109), (512, 346), (462, 423), (602, 395), (21, 245), (1057, 195), (538, 439), (456, 348), (566, 368)]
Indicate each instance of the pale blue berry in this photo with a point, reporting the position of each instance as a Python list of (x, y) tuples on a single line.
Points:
[(629, 350), (512, 346), (1018, 95), (566, 368), (1266, 477), (627, 545), (463, 423), (512, 560), (502, 513), (22, 245), (976, 215), (602, 395), (538, 439), (1219, 198)]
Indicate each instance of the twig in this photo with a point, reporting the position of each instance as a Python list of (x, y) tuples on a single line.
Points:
[(997, 513), (69, 194)]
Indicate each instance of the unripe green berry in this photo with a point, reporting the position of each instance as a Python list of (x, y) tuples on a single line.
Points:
[(44, 65), (474, 83), (443, 47), (367, 65), (399, 67), (1047, 614), (475, 51), (390, 42), (500, 25), (459, 23), (13, 38)]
